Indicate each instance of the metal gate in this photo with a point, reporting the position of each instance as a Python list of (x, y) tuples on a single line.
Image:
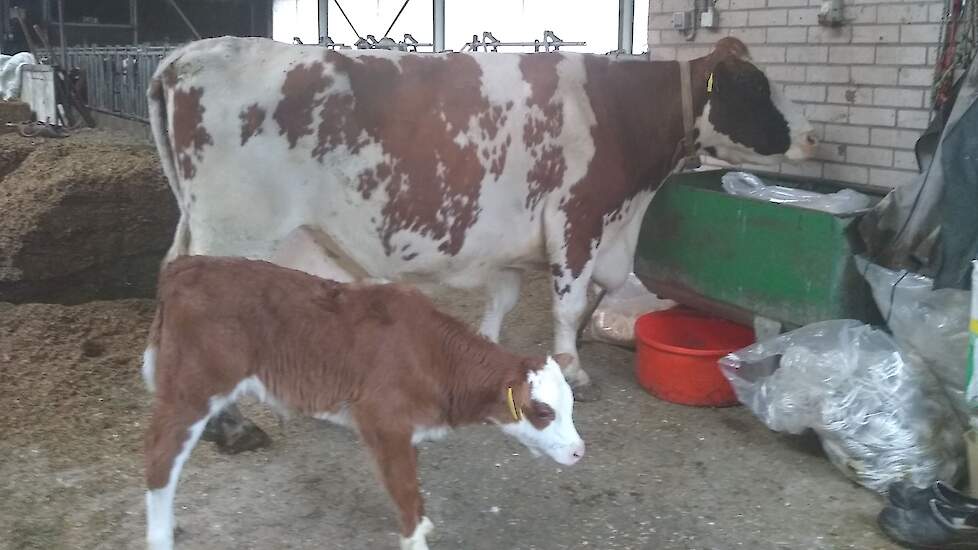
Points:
[(118, 76)]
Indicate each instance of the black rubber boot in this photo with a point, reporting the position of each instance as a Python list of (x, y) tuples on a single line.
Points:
[(905, 495), (934, 526)]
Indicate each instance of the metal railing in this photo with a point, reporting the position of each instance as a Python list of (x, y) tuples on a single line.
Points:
[(117, 76)]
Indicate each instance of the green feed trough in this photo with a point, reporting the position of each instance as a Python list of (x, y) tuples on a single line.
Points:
[(742, 258)]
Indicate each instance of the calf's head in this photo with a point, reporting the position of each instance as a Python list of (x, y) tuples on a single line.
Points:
[(539, 413), (746, 117)]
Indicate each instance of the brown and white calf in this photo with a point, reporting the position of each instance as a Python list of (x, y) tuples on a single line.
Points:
[(381, 359)]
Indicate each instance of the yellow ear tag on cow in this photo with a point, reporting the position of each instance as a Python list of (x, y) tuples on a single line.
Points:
[(512, 405), (709, 84)]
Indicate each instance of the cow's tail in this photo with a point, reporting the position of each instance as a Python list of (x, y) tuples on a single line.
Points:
[(157, 100)]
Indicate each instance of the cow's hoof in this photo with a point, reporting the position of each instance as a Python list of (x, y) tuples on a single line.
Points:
[(246, 437), (587, 393)]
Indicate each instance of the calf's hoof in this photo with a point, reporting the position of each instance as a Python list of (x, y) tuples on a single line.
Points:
[(417, 540), (586, 393), (246, 436)]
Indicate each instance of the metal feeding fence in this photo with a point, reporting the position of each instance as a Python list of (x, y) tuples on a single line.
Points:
[(117, 76)]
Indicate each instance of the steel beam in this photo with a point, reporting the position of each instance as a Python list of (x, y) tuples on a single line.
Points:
[(626, 25), (323, 20), (438, 11)]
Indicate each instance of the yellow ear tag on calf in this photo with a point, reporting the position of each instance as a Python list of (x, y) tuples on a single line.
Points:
[(512, 405), (709, 84)]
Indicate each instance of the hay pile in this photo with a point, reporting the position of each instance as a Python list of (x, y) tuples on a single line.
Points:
[(81, 219)]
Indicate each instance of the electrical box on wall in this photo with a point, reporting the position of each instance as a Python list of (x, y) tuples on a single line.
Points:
[(682, 20), (708, 19)]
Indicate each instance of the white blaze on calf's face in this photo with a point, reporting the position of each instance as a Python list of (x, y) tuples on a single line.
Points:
[(559, 438)]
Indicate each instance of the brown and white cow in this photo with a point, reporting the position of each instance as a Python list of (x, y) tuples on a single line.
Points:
[(460, 168), (379, 358)]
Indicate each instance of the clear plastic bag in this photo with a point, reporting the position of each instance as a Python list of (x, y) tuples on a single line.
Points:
[(613, 322), (931, 325), (744, 184), (880, 417)]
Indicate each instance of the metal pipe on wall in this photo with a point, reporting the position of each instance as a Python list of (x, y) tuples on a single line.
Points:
[(186, 20), (61, 31), (626, 25), (134, 20), (438, 11)]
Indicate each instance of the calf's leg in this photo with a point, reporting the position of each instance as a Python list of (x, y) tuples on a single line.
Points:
[(397, 467), (174, 430)]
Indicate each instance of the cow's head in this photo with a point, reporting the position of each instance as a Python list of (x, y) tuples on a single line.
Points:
[(539, 413), (747, 118)]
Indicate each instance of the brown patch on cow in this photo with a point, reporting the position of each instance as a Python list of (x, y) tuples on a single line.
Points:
[(294, 112), (407, 365), (415, 110), (337, 127), (549, 165), (189, 134), (251, 121), (491, 121), (499, 158), (638, 111)]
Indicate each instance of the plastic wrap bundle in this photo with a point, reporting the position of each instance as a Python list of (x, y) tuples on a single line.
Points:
[(613, 321), (744, 184), (930, 326), (879, 417)]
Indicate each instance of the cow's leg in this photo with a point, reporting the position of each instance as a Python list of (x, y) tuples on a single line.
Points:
[(570, 301), (504, 291), (174, 430), (233, 433), (397, 466)]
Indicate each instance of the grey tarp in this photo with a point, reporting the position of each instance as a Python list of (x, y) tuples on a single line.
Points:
[(931, 225)]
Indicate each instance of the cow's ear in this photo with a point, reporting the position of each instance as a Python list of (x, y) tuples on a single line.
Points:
[(730, 47)]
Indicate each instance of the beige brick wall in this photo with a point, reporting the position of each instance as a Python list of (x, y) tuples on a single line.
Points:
[(865, 86)]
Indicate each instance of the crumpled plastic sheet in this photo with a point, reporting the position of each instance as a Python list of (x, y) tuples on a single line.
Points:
[(11, 67), (745, 184), (880, 417), (613, 322), (929, 325)]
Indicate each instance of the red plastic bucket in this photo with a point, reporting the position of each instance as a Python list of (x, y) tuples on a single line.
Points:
[(678, 350)]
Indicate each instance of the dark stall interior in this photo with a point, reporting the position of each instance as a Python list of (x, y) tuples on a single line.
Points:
[(117, 22)]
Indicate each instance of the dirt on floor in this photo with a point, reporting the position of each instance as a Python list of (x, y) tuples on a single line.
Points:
[(657, 475)]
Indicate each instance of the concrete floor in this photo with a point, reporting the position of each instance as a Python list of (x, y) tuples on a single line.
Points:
[(656, 476)]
